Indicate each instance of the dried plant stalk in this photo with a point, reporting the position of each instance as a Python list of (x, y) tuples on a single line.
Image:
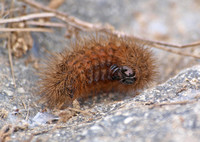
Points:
[(26, 17), (25, 30)]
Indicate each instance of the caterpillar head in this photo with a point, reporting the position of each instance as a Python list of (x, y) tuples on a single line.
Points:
[(127, 75), (124, 74)]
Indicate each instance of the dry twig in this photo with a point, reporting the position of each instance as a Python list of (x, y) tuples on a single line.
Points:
[(173, 103), (25, 30), (153, 42), (10, 60), (9, 129), (5, 132), (46, 24), (176, 52), (81, 111), (26, 17), (27, 109)]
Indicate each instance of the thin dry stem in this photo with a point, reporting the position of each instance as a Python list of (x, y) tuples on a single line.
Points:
[(81, 111), (4, 35), (197, 43), (7, 12), (26, 17), (173, 103), (10, 60), (25, 30), (12, 7), (176, 52), (26, 108), (46, 24), (2, 7), (5, 132), (28, 111)]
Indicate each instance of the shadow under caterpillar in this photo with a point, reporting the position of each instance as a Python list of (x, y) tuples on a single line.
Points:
[(94, 65)]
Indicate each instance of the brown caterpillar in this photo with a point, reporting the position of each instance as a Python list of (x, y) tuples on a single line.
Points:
[(96, 65)]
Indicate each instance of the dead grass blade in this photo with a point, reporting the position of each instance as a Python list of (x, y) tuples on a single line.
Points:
[(46, 24), (10, 60), (176, 52), (25, 30), (26, 17)]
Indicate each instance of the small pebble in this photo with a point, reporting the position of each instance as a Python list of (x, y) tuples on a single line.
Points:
[(96, 129), (8, 92), (20, 90), (128, 120)]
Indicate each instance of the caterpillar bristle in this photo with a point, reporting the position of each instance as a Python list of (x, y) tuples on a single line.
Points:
[(94, 65)]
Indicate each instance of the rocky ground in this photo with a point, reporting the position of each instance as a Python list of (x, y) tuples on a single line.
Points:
[(169, 111)]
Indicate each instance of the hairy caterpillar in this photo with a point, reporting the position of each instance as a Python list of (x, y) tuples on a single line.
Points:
[(96, 65)]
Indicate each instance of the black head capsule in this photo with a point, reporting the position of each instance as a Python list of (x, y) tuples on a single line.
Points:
[(124, 74), (127, 75)]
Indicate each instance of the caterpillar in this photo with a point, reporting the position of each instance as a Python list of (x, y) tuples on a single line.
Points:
[(96, 65)]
